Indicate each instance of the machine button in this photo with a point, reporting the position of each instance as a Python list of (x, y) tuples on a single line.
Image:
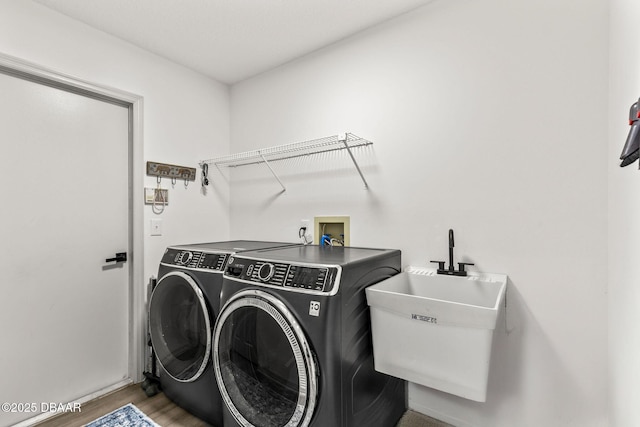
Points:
[(266, 271)]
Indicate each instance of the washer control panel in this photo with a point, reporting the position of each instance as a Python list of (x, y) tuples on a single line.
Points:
[(194, 260), (315, 279)]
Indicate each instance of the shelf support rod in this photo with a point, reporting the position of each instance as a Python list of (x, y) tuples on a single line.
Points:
[(355, 163), (272, 171)]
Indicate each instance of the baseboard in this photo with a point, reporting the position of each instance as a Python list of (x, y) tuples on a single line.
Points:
[(438, 415), (46, 415)]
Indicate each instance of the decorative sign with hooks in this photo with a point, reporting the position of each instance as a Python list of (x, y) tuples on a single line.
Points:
[(164, 170)]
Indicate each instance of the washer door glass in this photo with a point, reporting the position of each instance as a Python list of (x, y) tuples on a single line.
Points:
[(180, 327), (263, 363)]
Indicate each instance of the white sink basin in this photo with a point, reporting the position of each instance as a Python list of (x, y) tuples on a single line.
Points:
[(472, 300), (437, 330)]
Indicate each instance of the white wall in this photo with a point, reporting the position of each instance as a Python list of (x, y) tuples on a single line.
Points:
[(186, 115), (624, 226), (488, 117)]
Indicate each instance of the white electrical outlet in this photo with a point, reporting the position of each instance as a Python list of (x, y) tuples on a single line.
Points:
[(156, 227)]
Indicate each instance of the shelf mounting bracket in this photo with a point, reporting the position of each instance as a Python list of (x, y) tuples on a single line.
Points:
[(272, 171), (355, 163)]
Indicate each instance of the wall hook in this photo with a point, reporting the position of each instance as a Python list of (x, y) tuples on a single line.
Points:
[(171, 171), (205, 174)]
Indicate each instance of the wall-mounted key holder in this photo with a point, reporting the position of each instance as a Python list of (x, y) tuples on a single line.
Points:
[(171, 171)]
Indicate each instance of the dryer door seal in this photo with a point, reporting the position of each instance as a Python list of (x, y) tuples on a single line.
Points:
[(180, 327), (263, 362)]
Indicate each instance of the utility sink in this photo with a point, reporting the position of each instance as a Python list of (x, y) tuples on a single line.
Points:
[(472, 300), (437, 330)]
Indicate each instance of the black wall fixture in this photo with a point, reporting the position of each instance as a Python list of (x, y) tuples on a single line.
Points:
[(631, 150)]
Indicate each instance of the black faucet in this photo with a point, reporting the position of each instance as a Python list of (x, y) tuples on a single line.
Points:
[(451, 271)]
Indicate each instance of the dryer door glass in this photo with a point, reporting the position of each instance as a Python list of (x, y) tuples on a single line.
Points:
[(180, 327), (263, 362)]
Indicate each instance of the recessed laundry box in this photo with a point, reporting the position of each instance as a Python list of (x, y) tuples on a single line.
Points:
[(437, 330)]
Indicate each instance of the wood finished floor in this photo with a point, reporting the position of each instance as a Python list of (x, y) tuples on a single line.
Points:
[(167, 414), (159, 408)]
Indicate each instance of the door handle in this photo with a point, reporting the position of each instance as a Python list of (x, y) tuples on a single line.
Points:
[(120, 257)]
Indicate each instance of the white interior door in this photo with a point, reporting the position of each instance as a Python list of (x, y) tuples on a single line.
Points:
[(64, 311)]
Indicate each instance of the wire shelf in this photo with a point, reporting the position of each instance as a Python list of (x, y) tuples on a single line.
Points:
[(346, 141), (289, 151)]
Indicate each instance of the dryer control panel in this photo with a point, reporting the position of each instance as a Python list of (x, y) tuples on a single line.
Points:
[(194, 260), (295, 277)]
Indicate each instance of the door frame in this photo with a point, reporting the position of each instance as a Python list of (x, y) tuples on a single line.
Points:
[(25, 70)]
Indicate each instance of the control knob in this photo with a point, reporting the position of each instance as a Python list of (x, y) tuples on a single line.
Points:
[(184, 258), (266, 271)]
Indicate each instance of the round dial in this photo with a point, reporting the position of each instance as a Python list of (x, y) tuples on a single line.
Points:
[(266, 271), (184, 258)]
